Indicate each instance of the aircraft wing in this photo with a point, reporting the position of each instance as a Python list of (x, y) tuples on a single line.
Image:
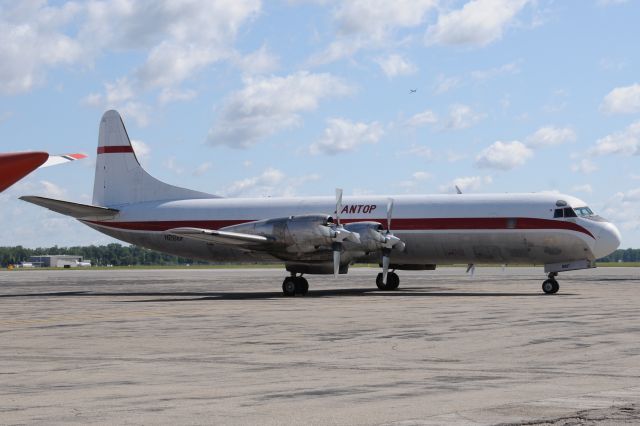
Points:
[(220, 237), (64, 158), (67, 208)]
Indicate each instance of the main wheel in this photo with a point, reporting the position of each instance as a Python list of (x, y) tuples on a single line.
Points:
[(301, 285), (289, 287), (550, 286), (393, 281), (381, 285)]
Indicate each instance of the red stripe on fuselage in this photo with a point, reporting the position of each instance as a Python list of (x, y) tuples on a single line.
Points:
[(426, 224), (115, 149)]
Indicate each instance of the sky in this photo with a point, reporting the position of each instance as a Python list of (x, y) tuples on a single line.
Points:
[(256, 98)]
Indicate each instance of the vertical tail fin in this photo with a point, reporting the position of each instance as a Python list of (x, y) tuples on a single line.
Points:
[(120, 179)]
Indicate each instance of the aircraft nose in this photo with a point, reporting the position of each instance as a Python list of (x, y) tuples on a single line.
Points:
[(608, 240)]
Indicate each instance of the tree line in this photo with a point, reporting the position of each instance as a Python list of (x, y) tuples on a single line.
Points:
[(118, 255), (111, 254)]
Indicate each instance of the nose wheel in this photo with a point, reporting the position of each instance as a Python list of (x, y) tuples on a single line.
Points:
[(550, 285), (295, 285)]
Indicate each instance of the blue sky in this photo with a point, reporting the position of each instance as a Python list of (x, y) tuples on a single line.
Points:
[(251, 98)]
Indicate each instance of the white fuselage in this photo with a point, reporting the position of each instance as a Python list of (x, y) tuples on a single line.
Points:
[(437, 229)]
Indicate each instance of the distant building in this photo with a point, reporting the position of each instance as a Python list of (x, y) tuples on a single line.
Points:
[(58, 261)]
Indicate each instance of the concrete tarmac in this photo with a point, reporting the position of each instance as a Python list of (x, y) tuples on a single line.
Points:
[(224, 347)]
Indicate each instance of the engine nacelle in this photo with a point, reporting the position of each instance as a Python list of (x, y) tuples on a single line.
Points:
[(371, 237), (295, 234)]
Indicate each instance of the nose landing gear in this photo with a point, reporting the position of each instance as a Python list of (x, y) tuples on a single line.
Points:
[(550, 285)]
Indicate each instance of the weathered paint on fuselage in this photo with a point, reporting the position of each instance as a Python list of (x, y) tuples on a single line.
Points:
[(437, 229)]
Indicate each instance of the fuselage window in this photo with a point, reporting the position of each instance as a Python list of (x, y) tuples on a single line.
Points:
[(583, 211), (568, 212), (558, 213)]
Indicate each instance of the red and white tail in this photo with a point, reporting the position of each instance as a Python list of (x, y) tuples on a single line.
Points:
[(120, 179)]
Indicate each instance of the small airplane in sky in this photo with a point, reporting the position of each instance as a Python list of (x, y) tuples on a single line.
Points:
[(413, 90), (14, 166), (325, 235)]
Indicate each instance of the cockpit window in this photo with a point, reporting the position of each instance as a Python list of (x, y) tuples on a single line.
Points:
[(568, 212), (583, 211), (558, 213)]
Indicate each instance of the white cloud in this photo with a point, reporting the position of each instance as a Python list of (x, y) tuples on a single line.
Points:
[(585, 166), (171, 164), (168, 95), (181, 38), (444, 84), (202, 169), (586, 188), (267, 105), (33, 41), (466, 184), (626, 142), (632, 196), (343, 135), (422, 118), (462, 117), (395, 65), (622, 209), (622, 100), (416, 182), (260, 61), (272, 182), (142, 150), (550, 136), (120, 95), (478, 23), (51, 190), (503, 155), (365, 24)]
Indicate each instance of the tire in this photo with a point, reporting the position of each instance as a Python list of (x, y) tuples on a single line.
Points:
[(289, 287), (379, 282), (550, 286), (393, 281), (301, 285)]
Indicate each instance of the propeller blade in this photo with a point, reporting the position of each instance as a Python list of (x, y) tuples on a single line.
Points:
[(458, 190), (389, 213), (385, 267), (338, 204)]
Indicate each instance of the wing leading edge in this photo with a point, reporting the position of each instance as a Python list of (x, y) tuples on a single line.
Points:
[(220, 237)]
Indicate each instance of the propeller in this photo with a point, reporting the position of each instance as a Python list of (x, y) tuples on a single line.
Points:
[(340, 235), (390, 242)]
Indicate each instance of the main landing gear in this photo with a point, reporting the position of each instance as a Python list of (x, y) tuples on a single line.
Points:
[(393, 281), (550, 285), (295, 285)]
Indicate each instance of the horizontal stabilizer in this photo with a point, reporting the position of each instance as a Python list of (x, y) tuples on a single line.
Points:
[(78, 211), (219, 237)]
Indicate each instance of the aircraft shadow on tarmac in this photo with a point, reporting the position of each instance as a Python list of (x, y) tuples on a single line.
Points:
[(190, 296)]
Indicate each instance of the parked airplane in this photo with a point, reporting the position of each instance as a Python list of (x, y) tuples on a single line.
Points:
[(14, 166), (322, 235)]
